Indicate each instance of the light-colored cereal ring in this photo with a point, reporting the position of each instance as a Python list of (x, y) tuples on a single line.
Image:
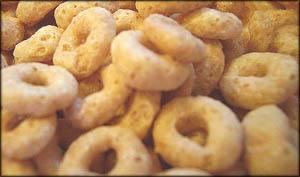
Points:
[(269, 145), (127, 20), (39, 47), (28, 138), (184, 90), (235, 7), (224, 134), (143, 106), (31, 12), (286, 41), (210, 69), (49, 159), (171, 38), (90, 85), (291, 108), (261, 31), (100, 107), (280, 17), (28, 87), (11, 167), (256, 79), (86, 42), (12, 32), (127, 5), (143, 68), (213, 24), (183, 172), (167, 8), (66, 11), (133, 158)]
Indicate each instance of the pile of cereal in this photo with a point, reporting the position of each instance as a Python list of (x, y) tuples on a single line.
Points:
[(149, 88)]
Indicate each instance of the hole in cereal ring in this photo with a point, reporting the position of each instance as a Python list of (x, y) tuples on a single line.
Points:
[(36, 81)]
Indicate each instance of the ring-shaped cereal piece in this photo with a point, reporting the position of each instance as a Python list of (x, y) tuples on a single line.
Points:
[(210, 69), (143, 106), (28, 138), (132, 155), (256, 79), (40, 47), (213, 24), (12, 167), (127, 20), (50, 158), (291, 108), (12, 32), (171, 38), (183, 172), (144, 69), (100, 107), (270, 149), (86, 42), (28, 87), (31, 12), (168, 8), (224, 134)]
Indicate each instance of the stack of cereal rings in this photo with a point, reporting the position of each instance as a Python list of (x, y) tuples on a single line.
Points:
[(156, 88)]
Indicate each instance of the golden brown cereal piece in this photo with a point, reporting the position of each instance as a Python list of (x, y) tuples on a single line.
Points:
[(66, 11), (184, 90), (31, 12), (8, 10), (261, 31), (213, 24), (12, 167), (270, 149), (26, 139), (99, 107), (180, 115), (12, 32), (145, 8), (210, 69), (49, 159), (183, 172), (280, 17), (28, 87), (257, 79), (90, 85), (143, 107), (144, 69), (286, 41), (127, 5), (291, 108), (127, 20), (132, 155), (85, 43), (171, 38), (235, 7), (40, 46), (9, 2)]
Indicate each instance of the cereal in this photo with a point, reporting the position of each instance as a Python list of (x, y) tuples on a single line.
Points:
[(90, 85), (31, 12), (39, 47), (183, 172), (5, 58), (286, 41), (127, 5), (182, 113), (143, 106), (29, 87), (213, 24), (133, 158), (86, 42), (280, 17), (12, 32), (11, 167), (167, 8), (127, 20), (210, 69), (257, 79), (269, 146), (235, 7), (291, 108), (99, 107), (26, 139), (144, 69)]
